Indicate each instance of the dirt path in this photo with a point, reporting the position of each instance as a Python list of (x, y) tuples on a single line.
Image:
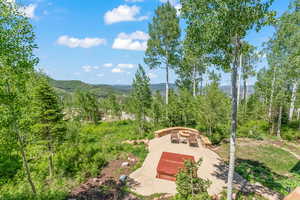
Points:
[(90, 190)]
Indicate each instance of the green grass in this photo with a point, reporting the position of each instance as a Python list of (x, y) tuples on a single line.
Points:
[(275, 158), (271, 166)]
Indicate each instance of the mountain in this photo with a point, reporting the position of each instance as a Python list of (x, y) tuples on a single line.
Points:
[(227, 89), (103, 90)]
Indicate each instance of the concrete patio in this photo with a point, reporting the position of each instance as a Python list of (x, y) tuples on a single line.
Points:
[(146, 176)]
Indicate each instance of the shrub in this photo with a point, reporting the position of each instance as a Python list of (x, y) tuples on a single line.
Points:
[(189, 185), (253, 129)]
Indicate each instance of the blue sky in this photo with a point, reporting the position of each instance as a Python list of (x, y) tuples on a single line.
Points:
[(102, 41)]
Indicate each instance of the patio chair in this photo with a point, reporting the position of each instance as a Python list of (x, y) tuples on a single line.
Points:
[(193, 141), (174, 138)]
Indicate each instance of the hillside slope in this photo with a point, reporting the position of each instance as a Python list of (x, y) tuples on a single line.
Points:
[(103, 90)]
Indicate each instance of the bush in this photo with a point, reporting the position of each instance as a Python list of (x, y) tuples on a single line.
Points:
[(84, 152), (291, 132), (253, 129), (189, 185), (9, 165)]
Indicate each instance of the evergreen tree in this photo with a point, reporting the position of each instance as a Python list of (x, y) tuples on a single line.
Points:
[(213, 112), (49, 124), (114, 106), (141, 97), (188, 185), (157, 110), (163, 47), (88, 105)]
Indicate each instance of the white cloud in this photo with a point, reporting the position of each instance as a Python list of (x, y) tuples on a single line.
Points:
[(88, 68), (173, 2), (117, 70), (135, 41), (83, 43), (28, 11), (123, 13), (133, 1), (108, 65), (152, 75), (178, 8), (128, 66)]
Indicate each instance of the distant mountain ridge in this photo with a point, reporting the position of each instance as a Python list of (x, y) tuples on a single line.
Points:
[(103, 90)]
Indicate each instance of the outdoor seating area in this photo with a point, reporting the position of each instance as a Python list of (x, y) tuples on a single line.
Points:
[(184, 137), (158, 171)]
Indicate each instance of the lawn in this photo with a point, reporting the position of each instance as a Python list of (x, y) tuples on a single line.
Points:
[(269, 165)]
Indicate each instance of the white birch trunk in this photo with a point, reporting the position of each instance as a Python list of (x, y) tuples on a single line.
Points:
[(239, 80), (271, 97), (233, 125), (194, 81), (167, 83), (201, 84), (293, 100), (279, 122)]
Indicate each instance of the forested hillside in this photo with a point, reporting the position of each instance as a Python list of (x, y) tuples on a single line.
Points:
[(104, 90)]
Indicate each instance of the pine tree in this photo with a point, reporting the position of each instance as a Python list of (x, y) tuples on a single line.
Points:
[(49, 124), (141, 97), (88, 105)]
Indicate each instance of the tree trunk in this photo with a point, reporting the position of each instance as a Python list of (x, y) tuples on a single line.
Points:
[(279, 122), (293, 100), (26, 166), (239, 80), (233, 123), (272, 94), (50, 158), (298, 113), (194, 81), (245, 91), (272, 127), (245, 97), (201, 84), (167, 83)]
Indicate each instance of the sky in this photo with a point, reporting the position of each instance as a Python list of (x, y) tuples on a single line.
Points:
[(103, 41)]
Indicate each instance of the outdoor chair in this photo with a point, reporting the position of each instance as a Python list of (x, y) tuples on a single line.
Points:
[(174, 138), (193, 141)]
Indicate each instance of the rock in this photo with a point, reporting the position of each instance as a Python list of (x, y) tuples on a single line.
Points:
[(123, 178), (131, 159), (234, 195), (125, 164)]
